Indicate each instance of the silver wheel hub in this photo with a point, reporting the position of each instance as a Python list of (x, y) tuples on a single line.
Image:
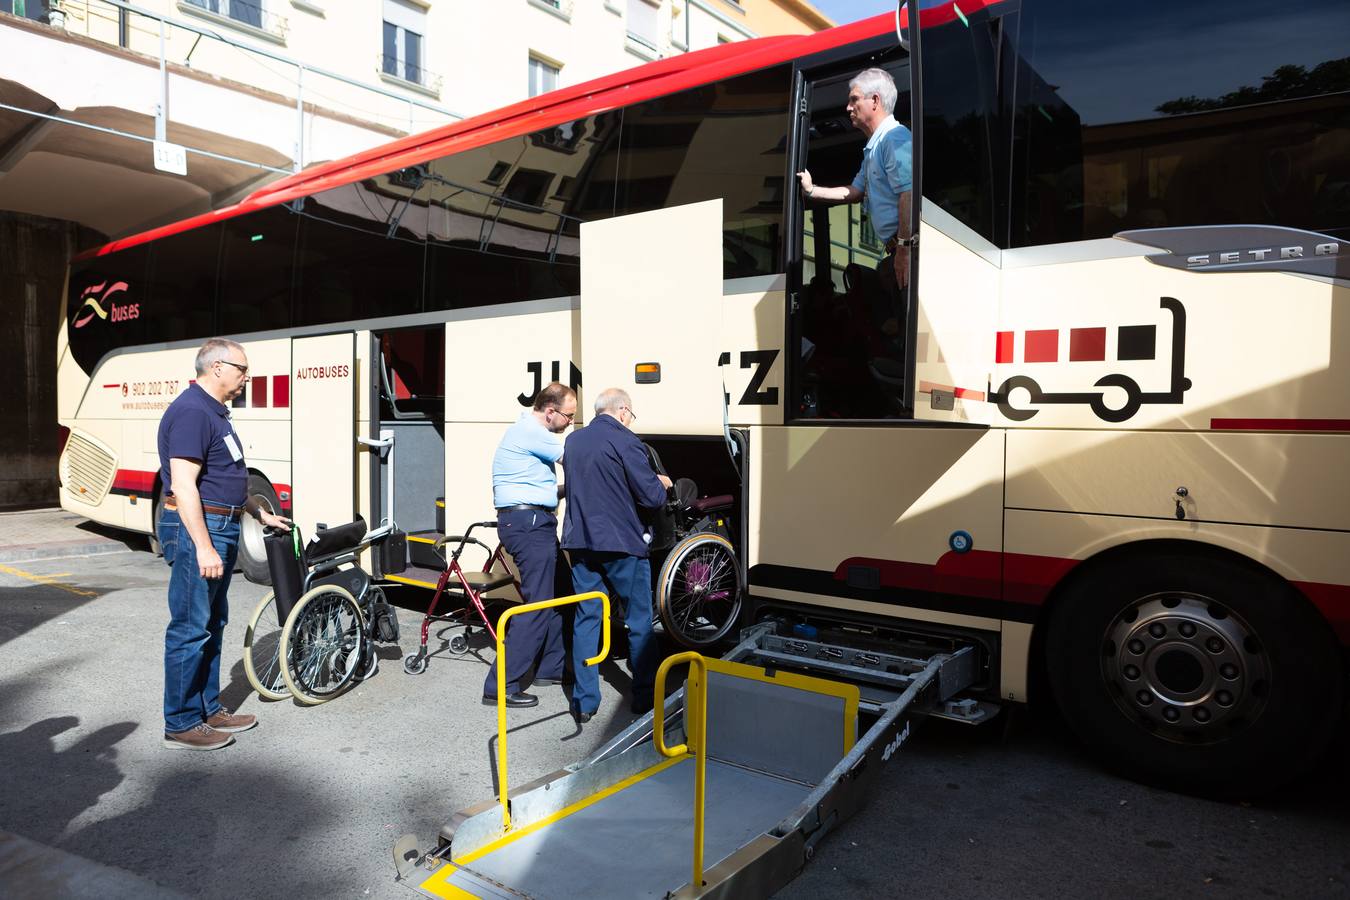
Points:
[(1185, 667)]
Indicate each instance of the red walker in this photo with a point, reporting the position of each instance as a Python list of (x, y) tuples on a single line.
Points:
[(472, 586)]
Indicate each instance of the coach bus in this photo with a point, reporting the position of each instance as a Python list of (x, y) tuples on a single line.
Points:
[(1106, 446)]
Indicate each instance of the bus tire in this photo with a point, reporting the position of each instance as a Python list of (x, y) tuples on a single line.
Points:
[(252, 550), (1195, 671)]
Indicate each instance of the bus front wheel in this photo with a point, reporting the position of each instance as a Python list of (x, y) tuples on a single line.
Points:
[(1196, 672), (252, 550)]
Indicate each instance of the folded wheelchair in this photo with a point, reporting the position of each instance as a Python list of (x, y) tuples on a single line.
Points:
[(314, 634)]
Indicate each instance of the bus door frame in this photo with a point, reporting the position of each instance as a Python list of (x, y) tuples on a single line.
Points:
[(805, 72)]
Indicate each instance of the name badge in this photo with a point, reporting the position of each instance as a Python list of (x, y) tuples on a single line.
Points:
[(233, 446)]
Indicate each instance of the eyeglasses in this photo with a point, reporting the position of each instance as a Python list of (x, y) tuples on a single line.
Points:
[(631, 414), (570, 416), (243, 370)]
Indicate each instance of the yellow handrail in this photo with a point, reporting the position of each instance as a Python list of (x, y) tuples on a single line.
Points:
[(501, 676), (695, 732)]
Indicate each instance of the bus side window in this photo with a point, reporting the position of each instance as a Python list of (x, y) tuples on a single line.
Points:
[(1250, 128)]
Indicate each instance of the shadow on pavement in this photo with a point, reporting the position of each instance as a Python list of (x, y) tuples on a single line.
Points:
[(46, 789), (32, 605)]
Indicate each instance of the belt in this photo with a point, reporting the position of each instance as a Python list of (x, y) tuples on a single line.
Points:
[(528, 506), (234, 512)]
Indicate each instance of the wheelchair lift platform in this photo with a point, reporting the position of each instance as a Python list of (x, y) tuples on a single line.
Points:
[(783, 762)]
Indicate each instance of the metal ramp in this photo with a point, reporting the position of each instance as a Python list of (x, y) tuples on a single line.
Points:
[(745, 768)]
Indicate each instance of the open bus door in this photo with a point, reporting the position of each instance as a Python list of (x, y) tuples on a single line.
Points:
[(651, 316), (323, 430)]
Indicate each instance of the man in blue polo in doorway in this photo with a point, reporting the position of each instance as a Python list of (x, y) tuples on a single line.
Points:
[(206, 486), (525, 492), (608, 478), (884, 184)]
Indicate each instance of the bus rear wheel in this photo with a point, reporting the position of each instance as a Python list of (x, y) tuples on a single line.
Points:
[(252, 550), (1195, 672)]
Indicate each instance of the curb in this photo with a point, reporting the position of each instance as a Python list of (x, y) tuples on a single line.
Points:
[(58, 549)]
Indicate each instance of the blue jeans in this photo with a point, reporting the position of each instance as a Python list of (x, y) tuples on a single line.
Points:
[(627, 580), (198, 611)]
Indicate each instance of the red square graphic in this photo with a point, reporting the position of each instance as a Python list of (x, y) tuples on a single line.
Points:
[(258, 392), (1003, 349), (1042, 346), (281, 391), (1087, 344)]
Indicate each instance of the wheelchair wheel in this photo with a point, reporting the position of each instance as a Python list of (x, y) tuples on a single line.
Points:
[(262, 651), (323, 644), (698, 592)]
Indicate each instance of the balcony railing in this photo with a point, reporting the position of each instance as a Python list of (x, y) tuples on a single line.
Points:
[(413, 74), (243, 12)]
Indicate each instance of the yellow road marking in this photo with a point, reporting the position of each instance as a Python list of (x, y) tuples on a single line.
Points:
[(49, 580)]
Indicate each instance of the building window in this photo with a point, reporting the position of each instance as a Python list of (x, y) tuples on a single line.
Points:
[(644, 23), (404, 25), (543, 77), (28, 9), (249, 12)]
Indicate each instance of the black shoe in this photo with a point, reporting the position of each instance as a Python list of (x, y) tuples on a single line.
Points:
[(546, 682), (641, 707), (581, 717), (515, 701)]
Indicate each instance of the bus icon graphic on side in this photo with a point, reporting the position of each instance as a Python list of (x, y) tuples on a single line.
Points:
[(1134, 342)]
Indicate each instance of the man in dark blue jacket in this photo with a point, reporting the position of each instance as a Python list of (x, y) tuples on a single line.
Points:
[(608, 478)]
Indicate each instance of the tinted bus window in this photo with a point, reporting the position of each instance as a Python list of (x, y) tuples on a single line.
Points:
[(182, 286), (962, 148), (503, 221), (361, 249), (104, 306), (1202, 113), (723, 140), (256, 261)]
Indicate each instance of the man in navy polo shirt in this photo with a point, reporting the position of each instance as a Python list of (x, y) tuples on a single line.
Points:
[(608, 478), (206, 485)]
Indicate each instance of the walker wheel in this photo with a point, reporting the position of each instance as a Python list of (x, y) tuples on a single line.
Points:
[(415, 664), (458, 644)]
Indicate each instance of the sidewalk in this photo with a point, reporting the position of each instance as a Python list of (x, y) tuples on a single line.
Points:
[(50, 533)]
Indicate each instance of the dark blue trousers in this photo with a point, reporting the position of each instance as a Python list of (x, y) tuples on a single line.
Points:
[(531, 537), (627, 580)]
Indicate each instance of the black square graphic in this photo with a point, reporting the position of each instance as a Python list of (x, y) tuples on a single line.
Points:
[(1137, 342)]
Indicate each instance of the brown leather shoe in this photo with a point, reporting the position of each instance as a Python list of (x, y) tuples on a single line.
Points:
[(198, 737), (224, 720)]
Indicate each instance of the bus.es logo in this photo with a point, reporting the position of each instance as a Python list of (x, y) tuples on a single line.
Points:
[(102, 305)]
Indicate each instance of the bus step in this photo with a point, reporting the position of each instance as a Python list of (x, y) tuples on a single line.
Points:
[(422, 551)]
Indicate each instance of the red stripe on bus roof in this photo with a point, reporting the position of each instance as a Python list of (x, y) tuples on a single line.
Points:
[(655, 79)]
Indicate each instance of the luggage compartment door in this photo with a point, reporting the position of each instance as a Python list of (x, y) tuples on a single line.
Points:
[(651, 315)]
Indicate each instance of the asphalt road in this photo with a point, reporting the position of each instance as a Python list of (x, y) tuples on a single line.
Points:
[(309, 803)]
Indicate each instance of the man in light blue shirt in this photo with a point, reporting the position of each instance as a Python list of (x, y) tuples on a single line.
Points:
[(884, 182), (525, 492)]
